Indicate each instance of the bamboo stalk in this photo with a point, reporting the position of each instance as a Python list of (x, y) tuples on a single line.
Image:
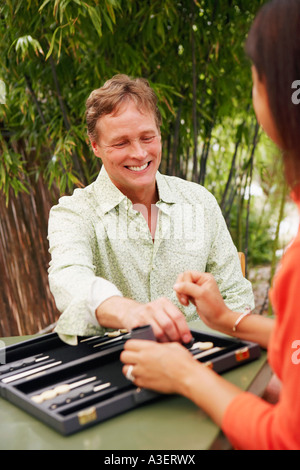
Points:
[(26, 303)]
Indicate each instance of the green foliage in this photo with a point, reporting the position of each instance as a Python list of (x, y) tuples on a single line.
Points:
[(260, 235), (54, 53)]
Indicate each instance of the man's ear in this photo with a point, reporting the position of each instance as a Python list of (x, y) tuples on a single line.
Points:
[(95, 148)]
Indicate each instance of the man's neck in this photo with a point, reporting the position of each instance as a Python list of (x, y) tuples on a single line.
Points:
[(145, 204), (145, 197)]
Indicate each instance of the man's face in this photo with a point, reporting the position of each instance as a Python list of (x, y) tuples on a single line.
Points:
[(129, 145)]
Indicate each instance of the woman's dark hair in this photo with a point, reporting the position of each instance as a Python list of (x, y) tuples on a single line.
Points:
[(273, 45)]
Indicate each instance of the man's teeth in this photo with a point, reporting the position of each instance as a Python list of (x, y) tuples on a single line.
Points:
[(138, 168)]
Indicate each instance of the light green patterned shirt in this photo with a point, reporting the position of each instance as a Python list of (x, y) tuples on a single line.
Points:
[(100, 246)]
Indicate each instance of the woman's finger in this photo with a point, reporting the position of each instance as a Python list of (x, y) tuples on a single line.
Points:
[(187, 288)]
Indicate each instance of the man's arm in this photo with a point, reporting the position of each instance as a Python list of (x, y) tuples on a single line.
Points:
[(72, 275), (90, 304)]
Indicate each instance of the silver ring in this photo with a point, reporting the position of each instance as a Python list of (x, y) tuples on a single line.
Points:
[(129, 375)]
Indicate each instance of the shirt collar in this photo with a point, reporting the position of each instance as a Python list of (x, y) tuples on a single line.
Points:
[(110, 196), (166, 192)]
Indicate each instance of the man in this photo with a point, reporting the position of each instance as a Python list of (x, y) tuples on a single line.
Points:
[(118, 245)]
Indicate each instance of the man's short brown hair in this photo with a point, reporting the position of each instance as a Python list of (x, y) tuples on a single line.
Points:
[(116, 91)]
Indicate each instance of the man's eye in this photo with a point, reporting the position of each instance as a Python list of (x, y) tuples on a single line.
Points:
[(120, 145), (148, 138)]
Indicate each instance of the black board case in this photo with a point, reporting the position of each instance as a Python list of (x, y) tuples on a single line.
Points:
[(35, 367)]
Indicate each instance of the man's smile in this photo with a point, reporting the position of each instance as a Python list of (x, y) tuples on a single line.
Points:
[(138, 168)]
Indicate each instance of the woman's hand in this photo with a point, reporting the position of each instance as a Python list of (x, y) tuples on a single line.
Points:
[(202, 290), (157, 366), (170, 368)]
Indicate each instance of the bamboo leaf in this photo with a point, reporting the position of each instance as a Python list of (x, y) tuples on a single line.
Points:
[(96, 19), (43, 5), (52, 43), (23, 43)]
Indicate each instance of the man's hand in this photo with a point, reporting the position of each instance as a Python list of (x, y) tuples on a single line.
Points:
[(167, 321)]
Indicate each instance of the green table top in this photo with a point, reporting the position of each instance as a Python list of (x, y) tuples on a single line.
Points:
[(170, 423)]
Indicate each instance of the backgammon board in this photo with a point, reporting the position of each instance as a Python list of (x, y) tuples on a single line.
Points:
[(70, 388)]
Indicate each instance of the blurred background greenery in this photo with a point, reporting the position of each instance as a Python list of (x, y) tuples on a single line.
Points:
[(54, 53)]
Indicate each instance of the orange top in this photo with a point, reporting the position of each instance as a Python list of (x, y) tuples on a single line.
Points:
[(249, 421)]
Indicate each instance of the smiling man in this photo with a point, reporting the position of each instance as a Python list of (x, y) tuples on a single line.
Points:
[(129, 145), (118, 245)]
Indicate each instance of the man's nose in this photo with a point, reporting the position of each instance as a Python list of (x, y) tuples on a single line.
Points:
[(137, 149)]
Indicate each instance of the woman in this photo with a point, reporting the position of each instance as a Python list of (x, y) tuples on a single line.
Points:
[(249, 422)]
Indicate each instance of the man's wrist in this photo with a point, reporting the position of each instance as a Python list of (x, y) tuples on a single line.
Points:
[(112, 312)]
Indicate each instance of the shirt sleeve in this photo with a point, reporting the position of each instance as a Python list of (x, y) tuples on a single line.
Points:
[(223, 262), (76, 288), (250, 423)]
